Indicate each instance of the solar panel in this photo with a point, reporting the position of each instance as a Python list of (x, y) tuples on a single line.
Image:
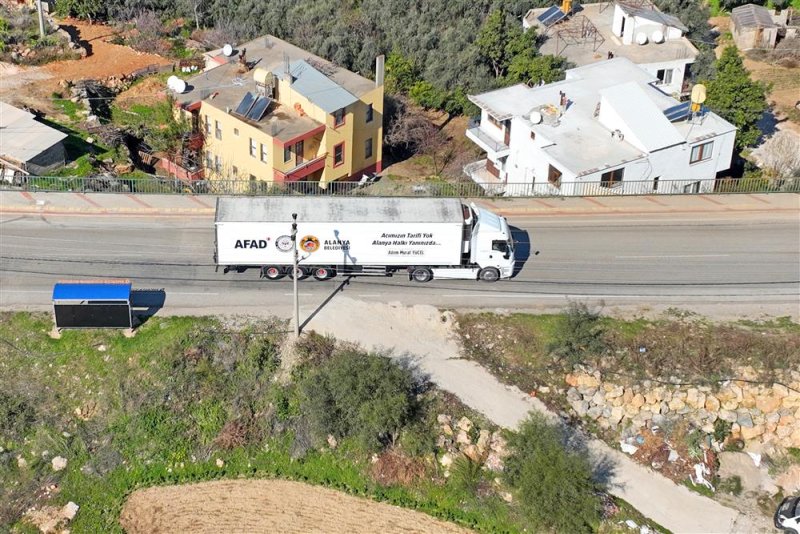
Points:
[(679, 112), (258, 109), (547, 14), (555, 18), (245, 105)]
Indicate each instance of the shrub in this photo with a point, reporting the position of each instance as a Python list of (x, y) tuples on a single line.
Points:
[(732, 485), (466, 475), (579, 335), (554, 485), (16, 416), (363, 395)]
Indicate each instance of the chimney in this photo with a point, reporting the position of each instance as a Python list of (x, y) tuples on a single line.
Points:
[(286, 68), (379, 70)]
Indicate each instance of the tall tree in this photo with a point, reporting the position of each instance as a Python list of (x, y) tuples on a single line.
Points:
[(737, 98), (492, 41)]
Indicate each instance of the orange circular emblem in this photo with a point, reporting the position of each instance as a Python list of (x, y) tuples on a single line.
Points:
[(309, 243)]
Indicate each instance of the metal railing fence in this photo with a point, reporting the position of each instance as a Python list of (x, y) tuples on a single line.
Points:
[(392, 188)]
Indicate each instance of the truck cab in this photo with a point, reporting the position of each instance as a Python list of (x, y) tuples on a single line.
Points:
[(491, 245)]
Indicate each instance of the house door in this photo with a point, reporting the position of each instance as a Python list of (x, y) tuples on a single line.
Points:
[(507, 135), (693, 187), (298, 152)]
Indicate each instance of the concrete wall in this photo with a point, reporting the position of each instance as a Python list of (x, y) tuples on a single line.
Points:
[(679, 68), (748, 38)]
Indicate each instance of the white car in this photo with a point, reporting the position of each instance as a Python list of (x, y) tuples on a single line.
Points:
[(787, 516)]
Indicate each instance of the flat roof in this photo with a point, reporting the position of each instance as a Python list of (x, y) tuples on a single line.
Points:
[(22, 137), (82, 291), (323, 82), (224, 87), (650, 12), (580, 142), (601, 15), (335, 209)]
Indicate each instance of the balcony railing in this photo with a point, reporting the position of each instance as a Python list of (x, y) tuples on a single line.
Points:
[(484, 140), (304, 169)]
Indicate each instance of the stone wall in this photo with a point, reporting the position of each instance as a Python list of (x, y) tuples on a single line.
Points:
[(769, 414)]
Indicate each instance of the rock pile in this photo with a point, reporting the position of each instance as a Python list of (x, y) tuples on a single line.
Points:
[(464, 438), (767, 414)]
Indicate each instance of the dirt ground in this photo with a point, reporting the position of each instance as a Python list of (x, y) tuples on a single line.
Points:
[(267, 506), (33, 86)]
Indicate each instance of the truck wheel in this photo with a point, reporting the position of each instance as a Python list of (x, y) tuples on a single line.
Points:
[(422, 274), (489, 274), (273, 272), (302, 273), (324, 273)]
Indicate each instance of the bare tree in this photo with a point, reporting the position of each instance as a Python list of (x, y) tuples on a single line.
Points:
[(411, 130), (780, 155)]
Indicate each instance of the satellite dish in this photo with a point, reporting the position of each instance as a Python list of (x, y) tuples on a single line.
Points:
[(641, 38), (535, 117), (171, 82), (698, 94), (227, 50), (179, 86), (658, 36)]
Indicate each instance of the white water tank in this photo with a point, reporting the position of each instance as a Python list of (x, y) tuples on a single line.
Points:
[(657, 36), (641, 38)]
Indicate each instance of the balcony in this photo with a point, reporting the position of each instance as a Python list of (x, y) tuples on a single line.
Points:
[(486, 141), (301, 171), (183, 168), (478, 172)]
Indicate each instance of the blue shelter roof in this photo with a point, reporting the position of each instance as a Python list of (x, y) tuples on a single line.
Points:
[(118, 290)]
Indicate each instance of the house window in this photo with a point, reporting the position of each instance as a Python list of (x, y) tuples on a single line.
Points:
[(533, 135), (701, 152), (252, 178), (664, 76), (208, 159), (236, 132), (252, 147), (287, 153), (217, 130), (655, 183), (207, 124), (369, 113), (493, 121), (217, 164), (263, 152), (338, 154), (612, 178), (368, 148), (235, 171), (338, 117), (554, 176)]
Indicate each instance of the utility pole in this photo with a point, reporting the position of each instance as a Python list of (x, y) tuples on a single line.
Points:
[(294, 278), (41, 18)]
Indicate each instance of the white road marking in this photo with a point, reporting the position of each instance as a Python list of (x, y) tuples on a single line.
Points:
[(664, 256)]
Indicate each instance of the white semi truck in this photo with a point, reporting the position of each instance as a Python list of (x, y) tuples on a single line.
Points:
[(427, 238)]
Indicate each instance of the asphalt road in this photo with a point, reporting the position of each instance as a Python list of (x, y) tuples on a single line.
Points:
[(739, 264)]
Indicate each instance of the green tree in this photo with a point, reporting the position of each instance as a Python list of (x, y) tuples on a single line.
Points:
[(401, 73), (554, 485), (362, 395), (492, 42), (532, 69), (737, 98)]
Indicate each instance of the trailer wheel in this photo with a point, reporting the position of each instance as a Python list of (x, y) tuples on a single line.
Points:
[(302, 273), (272, 272), (489, 274), (323, 273), (421, 274)]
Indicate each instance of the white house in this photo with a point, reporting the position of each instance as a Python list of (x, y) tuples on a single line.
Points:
[(638, 31), (617, 133)]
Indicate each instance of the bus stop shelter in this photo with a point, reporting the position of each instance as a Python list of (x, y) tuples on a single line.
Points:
[(92, 304)]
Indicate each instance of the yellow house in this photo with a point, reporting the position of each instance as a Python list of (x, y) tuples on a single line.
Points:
[(272, 112)]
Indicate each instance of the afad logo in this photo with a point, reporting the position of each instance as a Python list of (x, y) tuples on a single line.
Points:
[(309, 243)]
